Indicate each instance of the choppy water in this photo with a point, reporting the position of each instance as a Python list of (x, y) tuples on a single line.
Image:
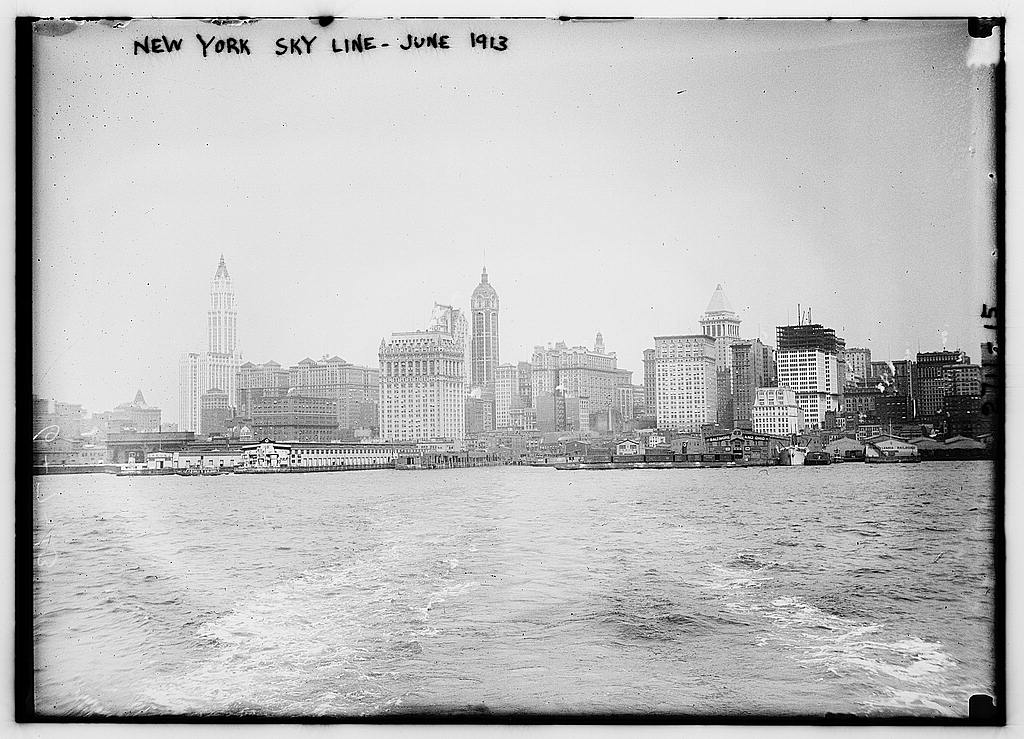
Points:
[(850, 588)]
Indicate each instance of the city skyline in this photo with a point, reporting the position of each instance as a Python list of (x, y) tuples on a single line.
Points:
[(858, 213), (718, 312), (715, 306)]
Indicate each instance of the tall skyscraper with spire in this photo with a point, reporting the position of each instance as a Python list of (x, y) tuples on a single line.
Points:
[(223, 313), (484, 351), (217, 367)]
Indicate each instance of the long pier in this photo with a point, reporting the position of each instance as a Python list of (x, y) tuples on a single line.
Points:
[(654, 465)]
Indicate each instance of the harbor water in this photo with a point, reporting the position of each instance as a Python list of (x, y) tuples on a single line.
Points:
[(850, 588)]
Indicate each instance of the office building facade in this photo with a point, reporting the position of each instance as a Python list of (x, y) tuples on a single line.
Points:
[(930, 379), (753, 366), (776, 411), (579, 372), (687, 382), (293, 417), (508, 392), (216, 411), (858, 364), (353, 388), (257, 381), (808, 363), (422, 387)]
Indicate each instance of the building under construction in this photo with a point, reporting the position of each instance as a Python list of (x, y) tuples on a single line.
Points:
[(808, 337)]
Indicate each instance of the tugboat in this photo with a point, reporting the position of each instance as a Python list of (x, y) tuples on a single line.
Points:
[(818, 458)]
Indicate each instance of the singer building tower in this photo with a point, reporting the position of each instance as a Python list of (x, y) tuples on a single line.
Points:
[(484, 347)]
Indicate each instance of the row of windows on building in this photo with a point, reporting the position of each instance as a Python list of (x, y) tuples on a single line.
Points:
[(451, 367)]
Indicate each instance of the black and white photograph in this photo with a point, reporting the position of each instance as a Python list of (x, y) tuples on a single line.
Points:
[(452, 369)]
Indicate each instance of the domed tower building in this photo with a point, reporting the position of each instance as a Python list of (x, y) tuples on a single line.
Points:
[(484, 346), (722, 324)]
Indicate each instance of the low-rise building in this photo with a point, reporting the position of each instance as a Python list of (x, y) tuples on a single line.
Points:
[(628, 447), (889, 446), (355, 455), (207, 458), (747, 446), (58, 450), (652, 438), (866, 431), (689, 444), (845, 449), (266, 454), (132, 446)]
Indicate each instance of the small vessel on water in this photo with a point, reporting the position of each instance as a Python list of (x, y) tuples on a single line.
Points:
[(892, 458), (813, 458), (198, 471), (792, 456)]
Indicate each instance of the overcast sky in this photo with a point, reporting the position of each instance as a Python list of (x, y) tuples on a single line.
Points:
[(611, 174)]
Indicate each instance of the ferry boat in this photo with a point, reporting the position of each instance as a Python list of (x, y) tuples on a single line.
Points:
[(792, 456)]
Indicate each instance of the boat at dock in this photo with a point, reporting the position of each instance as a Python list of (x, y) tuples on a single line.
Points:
[(136, 471), (815, 458), (792, 456)]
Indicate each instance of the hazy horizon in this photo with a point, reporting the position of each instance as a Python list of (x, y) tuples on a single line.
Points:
[(610, 175)]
